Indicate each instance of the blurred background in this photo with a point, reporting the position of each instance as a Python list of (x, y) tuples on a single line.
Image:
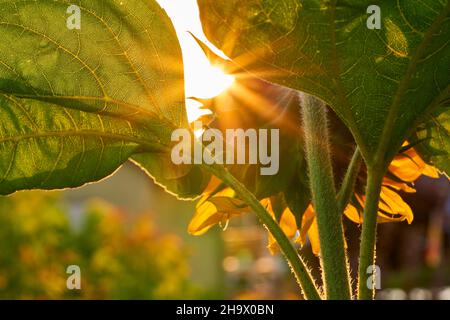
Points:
[(130, 238)]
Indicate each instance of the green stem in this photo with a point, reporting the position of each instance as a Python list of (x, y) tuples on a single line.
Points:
[(329, 218), (368, 235), (299, 268), (348, 184)]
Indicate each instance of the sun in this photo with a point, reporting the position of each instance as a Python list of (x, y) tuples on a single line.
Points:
[(202, 80), (214, 81)]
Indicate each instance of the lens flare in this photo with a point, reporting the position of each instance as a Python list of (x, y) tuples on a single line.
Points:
[(202, 80)]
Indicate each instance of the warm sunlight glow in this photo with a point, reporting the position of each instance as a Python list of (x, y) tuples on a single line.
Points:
[(195, 110), (217, 83), (202, 80)]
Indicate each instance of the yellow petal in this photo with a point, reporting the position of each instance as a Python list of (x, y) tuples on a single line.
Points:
[(409, 166), (204, 218), (211, 190), (405, 168), (313, 235), (398, 185), (266, 204), (273, 245), (309, 229), (288, 223), (307, 220), (393, 203), (430, 171), (361, 199), (383, 218), (352, 213)]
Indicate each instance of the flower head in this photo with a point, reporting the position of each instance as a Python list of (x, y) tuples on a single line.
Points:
[(219, 203)]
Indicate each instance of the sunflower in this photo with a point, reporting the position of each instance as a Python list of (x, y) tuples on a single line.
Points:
[(286, 195), (219, 203)]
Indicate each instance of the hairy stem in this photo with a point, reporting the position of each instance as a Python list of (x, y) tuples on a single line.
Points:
[(329, 217), (368, 236), (348, 184), (299, 268)]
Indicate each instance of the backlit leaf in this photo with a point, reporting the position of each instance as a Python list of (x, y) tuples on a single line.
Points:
[(381, 83), (77, 103)]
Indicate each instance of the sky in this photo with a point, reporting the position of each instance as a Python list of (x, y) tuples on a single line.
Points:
[(202, 80)]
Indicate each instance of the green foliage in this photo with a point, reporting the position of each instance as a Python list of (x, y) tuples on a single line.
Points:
[(76, 104), (434, 141), (380, 82), (119, 258)]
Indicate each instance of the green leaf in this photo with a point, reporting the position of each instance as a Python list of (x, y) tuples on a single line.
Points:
[(184, 181), (434, 141), (381, 83), (76, 104), (47, 146)]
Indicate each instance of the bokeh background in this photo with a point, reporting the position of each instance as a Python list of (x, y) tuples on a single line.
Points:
[(129, 238)]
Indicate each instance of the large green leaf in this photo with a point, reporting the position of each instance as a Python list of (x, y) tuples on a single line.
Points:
[(47, 146), (75, 104), (380, 82)]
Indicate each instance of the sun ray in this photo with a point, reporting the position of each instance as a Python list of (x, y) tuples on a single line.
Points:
[(202, 80)]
